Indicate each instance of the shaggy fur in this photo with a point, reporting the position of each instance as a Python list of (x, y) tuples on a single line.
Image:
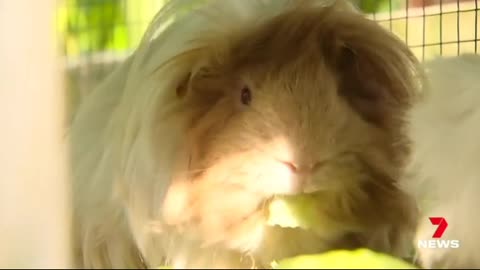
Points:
[(443, 172), (172, 168)]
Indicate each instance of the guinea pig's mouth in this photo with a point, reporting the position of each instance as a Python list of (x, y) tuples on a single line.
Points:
[(262, 209)]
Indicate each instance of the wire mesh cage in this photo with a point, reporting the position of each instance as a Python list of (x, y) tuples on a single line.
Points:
[(98, 34), (433, 27)]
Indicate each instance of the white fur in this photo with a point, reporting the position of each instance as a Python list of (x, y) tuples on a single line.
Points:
[(444, 170)]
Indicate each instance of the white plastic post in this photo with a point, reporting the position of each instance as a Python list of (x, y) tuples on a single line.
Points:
[(34, 194)]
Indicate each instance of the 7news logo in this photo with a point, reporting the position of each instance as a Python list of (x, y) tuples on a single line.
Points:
[(436, 242)]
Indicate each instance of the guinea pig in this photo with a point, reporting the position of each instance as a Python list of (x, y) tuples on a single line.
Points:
[(177, 153), (442, 173)]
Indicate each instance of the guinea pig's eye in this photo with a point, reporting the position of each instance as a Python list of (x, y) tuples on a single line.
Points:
[(246, 95)]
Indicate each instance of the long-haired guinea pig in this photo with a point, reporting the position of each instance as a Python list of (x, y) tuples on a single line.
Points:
[(176, 155), (443, 171)]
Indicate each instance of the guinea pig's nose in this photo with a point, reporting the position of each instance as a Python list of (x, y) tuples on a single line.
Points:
[(292, 166), (301, 168)]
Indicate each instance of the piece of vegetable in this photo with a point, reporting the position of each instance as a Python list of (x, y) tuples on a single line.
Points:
[(294, 211), (343, 259)]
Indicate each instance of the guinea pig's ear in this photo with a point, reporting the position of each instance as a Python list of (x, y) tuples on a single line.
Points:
[(183, 85), (203, 85), (377, 82)]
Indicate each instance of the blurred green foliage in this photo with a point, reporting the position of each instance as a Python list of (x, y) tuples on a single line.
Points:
[(373, 6), (88, 26)]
